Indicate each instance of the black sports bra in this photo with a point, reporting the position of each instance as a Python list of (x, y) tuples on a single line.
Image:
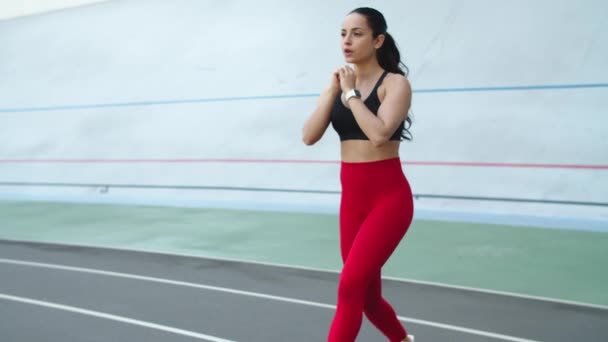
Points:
[(343, 120)]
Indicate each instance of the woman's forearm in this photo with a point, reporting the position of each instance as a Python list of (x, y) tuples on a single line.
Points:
[(319, 120), (371, 125)]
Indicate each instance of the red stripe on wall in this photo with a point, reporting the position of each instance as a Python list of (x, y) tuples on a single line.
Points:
[(299, 161)]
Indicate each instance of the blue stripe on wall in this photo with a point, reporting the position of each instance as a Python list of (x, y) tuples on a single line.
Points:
[(293, 96)]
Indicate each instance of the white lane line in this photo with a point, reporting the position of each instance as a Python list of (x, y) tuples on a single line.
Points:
[(256, 295), (323, 270), (121, 319)]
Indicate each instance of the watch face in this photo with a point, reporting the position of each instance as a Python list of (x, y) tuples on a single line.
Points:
[(353, 93)]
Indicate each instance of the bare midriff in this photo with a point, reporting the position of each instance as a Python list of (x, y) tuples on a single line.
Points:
[(356, 151)]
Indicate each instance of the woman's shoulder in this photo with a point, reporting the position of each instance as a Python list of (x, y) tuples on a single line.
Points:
[(397, 81)]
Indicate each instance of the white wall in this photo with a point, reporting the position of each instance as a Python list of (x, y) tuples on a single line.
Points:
[(132, 53), (10, 9)]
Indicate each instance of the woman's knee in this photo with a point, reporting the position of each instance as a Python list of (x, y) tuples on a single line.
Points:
[(372, 303), (352, 288)]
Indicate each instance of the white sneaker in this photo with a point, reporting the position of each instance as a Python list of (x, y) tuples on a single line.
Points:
[(411, 338)]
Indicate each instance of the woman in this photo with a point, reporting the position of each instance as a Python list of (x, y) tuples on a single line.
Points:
[(367, 106)]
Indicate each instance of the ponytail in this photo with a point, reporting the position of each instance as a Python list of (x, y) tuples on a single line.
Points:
[(389, 57)]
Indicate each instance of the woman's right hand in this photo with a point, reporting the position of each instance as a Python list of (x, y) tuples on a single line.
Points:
[(334, 84)]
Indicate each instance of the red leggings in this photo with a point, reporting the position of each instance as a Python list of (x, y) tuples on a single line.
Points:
[(376, 210)]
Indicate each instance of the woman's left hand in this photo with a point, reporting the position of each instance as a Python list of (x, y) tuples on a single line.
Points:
[(348, 78)]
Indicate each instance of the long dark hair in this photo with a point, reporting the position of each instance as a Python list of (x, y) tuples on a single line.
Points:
[(388, 54)]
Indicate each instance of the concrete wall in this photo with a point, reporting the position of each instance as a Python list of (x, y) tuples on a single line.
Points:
[(10, 9), (151, 92)]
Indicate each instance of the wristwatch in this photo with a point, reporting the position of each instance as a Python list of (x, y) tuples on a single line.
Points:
[(352, 93)]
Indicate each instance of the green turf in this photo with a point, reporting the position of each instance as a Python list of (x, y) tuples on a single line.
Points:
[(544, 262)]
